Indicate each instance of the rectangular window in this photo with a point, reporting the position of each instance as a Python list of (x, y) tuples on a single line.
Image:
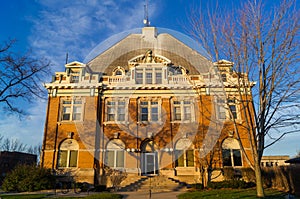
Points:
[(190, 158), (72, 110), (237, 158), (77, 110), (110, 157), (144, 114), (184, 158), (63, 157), (158, 77), (187, 111), (114, 158), (139, 78), (121, 111), (67, 158), (179, 156), (149, 111), (120, 159), (154, 111), (224, 77), (111, 111), (66, 113), (226, 157), (73, 159), (233, 111), (182, 111), (116, 111), (177, 110), (149, 78)]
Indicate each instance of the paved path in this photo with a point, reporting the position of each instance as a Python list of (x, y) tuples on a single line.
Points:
[(143, 195)]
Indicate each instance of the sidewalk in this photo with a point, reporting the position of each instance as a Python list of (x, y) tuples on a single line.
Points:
[(143, 195)]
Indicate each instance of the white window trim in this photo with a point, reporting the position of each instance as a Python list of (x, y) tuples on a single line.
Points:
[(237, 109), (115, 157), (153, 71), (115, 154), (149, 106), (231, 148), (185, 157), (182, 105), (76, 148), (72, 107), (116, 100)]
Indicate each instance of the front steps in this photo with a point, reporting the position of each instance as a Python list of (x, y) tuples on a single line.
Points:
[(152, 183)]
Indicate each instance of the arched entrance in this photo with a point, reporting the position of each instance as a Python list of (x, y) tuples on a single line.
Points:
[(149, 158)]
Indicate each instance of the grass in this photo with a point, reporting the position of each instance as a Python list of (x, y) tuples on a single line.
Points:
[(231, 193), (40, 196)]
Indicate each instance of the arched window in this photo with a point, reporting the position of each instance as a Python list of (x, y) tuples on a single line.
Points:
[(114, 156), (231, 153), (118, 72), (184, 153), (68, 154)]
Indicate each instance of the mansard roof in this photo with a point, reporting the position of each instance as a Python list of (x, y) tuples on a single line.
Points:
[(163, 44)]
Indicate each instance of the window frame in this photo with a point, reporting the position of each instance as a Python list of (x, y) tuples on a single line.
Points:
[(183, 155), (179, 108), (233, 109), (113, 110), (72, 109), (150, 76), (68, 152), (229, 150), (146, 110), (116, 149)]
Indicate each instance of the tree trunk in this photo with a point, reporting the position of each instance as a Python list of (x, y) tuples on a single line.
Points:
[(259, 183)]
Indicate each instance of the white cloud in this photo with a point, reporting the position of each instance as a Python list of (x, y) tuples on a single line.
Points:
[(28, 130), (77, 27)]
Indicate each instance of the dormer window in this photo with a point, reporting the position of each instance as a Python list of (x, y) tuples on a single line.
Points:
[(119, 71), (75, 77)]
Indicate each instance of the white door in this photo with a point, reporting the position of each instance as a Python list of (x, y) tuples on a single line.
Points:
[(150, 163)]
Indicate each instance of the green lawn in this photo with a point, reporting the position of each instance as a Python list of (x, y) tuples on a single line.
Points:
[(39, 196), (230, 193)]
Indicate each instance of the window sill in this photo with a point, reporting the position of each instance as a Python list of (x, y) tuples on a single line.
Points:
[(115, 122), (185, 122), (69, 122)]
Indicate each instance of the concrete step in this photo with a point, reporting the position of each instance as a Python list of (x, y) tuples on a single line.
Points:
[(154, 184)]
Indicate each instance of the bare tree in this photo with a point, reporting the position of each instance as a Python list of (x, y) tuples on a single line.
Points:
[(263, 43), (21, 78)]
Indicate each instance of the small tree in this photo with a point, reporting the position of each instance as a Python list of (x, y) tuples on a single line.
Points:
[(115, 176)]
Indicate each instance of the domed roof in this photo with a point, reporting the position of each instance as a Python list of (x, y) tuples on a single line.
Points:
[(163, 44)]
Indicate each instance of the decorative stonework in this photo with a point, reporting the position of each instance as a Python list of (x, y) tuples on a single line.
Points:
[(147, 58)]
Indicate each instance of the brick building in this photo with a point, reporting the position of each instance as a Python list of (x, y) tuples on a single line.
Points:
[(149, 104)]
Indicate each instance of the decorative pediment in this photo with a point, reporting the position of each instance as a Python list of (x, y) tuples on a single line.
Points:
[(75, 64), (149, 57)]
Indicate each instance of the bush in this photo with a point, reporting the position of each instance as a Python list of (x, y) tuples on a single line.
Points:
[(100, 188), (234, 184), (28, 178)]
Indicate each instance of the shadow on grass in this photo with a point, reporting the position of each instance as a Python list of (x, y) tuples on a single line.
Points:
[(231, 193)]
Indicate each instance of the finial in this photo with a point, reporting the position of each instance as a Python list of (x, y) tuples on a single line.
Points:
[(146, 19)]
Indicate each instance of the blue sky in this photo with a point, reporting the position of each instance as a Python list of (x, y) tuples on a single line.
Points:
[(52, 28)]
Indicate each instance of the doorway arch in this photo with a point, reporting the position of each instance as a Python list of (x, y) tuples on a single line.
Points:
[(149, 158)]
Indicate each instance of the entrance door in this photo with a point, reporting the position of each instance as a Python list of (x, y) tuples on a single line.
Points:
[(150, 163), (149, 158)]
